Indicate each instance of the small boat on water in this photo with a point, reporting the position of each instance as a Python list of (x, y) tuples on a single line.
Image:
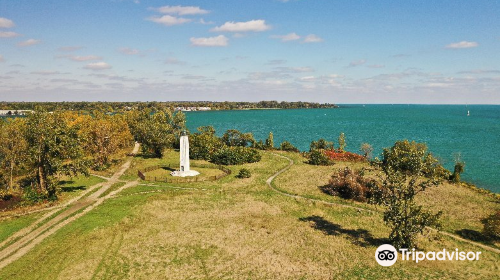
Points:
[(468, 113)]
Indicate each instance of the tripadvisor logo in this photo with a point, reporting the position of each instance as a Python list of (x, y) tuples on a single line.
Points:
[(387, 255)]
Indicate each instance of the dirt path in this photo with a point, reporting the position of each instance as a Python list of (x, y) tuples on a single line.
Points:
[(269, 184), (270, 180), (27, 238)]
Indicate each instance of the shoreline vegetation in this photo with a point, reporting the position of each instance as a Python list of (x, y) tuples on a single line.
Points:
[(115, 107), (53, 155)]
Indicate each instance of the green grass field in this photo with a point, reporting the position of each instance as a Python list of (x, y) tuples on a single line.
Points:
[(241, 229)]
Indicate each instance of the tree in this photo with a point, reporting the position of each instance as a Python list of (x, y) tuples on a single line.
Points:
[(459, 169), (233, 138), (404, 166), (411, 158), (204, 143), (235, 155), (156, 130), (492, 225), (13, 148), (270, 142), (321, 144), (342, 143), (104, 135), (287, 146), (367, 150), (54, 149), (318, 157)]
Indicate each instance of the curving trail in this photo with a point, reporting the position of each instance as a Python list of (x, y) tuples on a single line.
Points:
[(270, 180), (26, 239), (269, 184)]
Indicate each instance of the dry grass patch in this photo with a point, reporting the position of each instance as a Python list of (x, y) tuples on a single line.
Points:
[(462, 208), (232, 236), (235, 229)]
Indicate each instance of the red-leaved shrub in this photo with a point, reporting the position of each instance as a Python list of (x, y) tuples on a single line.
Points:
[(344, 156)]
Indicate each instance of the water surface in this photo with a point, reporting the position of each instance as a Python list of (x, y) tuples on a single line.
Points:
[(446, 129)]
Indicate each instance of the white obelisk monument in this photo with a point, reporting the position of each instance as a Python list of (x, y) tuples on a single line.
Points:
[(185, 169)]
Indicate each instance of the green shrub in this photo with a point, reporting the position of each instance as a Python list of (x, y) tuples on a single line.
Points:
[(203, 144), (30, 195), (492, 225), (349, 184), (321, 144), (235, 156), (259, 145), (342, 143), (318, 157), (402, 214), (287, 146), (233, 137), (412, 158), (459, 169), (244, 173), (270, 142)]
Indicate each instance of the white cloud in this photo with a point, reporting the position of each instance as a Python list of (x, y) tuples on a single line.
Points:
[(401, 55), (193, 77), (276, 62), (307, 79), (29, 42), (311, 38), (97, 66), (287, 37), (294, 69), (169, 20), (253, 25), (85, 58), (479, 71), (218, 41), (1, 58), (129, 51), (8, 34), (174, 61), (357, 63), (82, 58), (46, 72), (462, 45), (181, 10), (6, 23), (376, 66), (275, 82), (202, 21)]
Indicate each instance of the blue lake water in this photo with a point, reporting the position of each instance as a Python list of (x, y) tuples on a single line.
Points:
[(446, 129)]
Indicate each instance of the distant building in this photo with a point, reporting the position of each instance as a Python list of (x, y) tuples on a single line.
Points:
[(189, 109), (14, 112)]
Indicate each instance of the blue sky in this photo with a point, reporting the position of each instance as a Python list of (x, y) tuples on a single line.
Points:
[(249, 50)]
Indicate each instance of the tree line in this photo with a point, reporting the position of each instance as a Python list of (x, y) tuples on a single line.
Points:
[(38, 150), (114, 107)]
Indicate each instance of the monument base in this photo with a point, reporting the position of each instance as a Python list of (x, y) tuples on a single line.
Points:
[(189, 173)]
